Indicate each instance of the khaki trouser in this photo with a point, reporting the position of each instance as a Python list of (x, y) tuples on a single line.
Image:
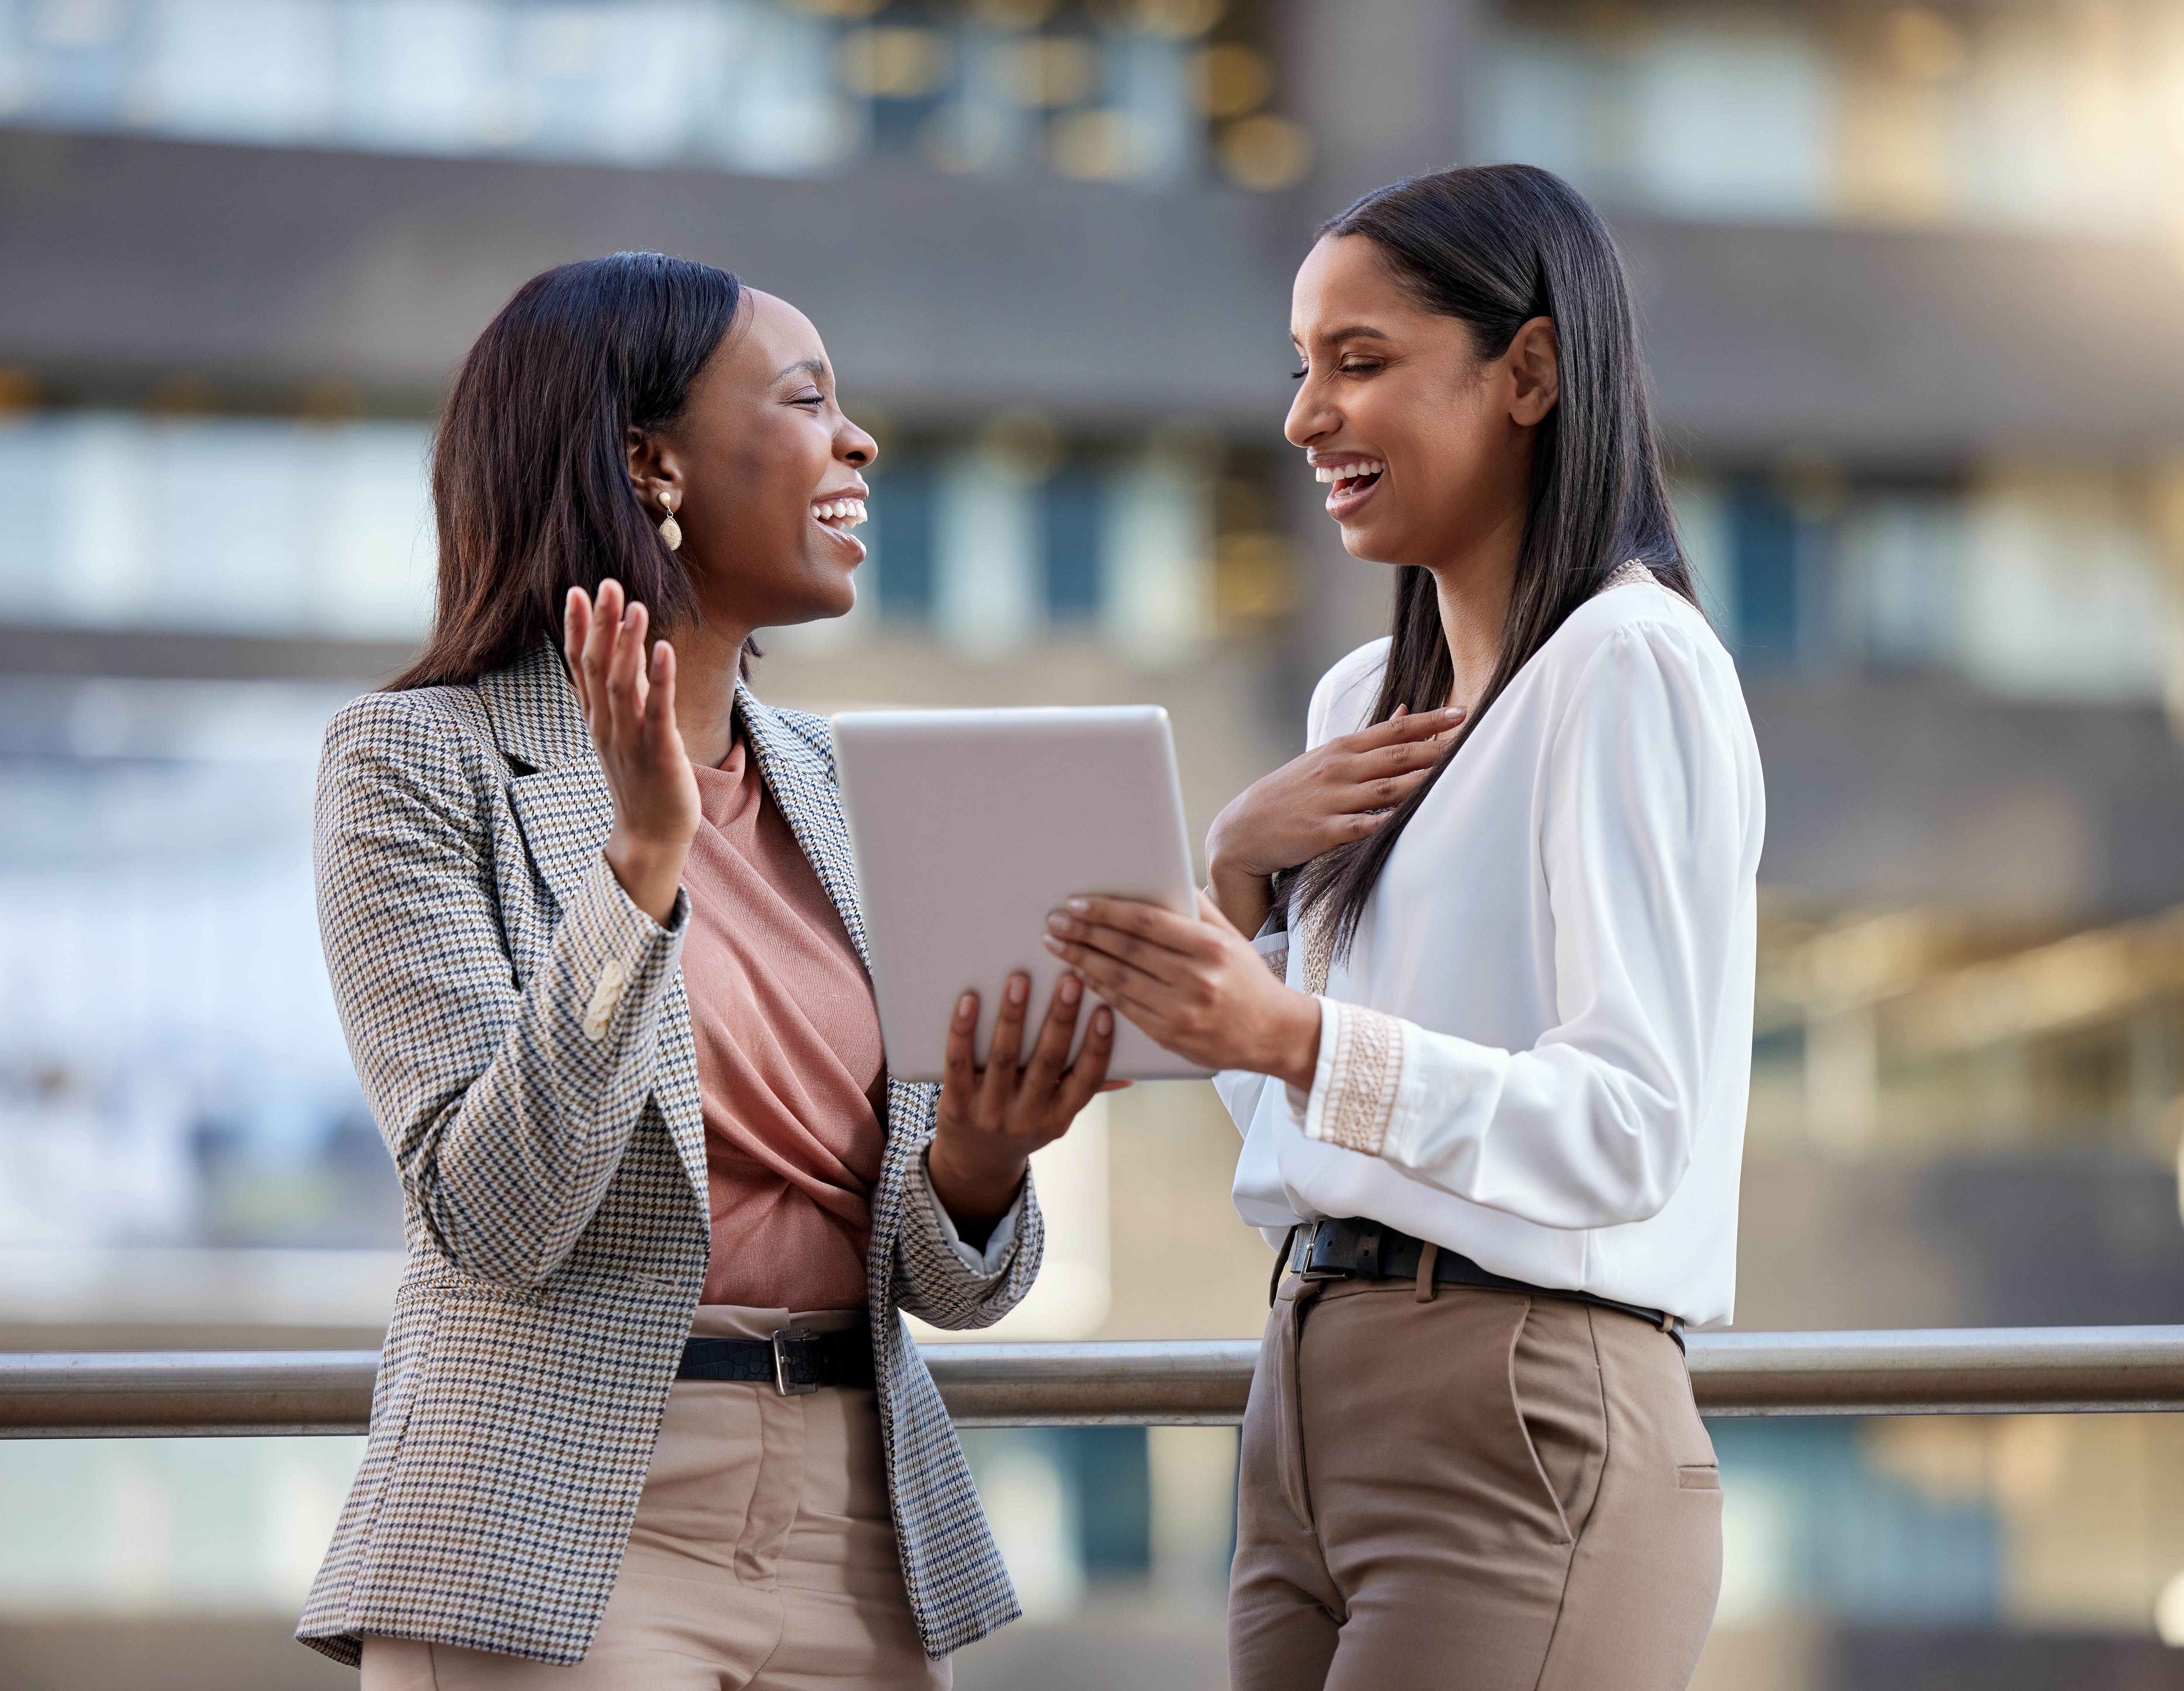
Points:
[(1479, 1492), (763, 1557)]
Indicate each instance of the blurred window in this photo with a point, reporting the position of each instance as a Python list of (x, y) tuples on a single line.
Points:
[(1074, 505), (901, 528), (2035, 116), (785, 88), (172, 1070), (1764, 552), (216, 524)]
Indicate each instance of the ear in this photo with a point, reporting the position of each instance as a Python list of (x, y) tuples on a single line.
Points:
[(1535, 379), (655, 471)]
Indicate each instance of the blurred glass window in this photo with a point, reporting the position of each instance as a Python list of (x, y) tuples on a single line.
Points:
[(217, 524), (765, 86)]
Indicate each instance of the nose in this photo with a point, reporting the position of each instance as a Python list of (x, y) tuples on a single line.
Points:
[(1308, 418), (854, 447)]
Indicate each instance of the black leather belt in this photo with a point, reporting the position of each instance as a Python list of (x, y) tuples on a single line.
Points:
[(1353, 1247), (796, 1361)]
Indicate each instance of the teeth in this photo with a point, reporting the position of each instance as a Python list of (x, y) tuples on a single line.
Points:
[(1344, 473), (848, 512)]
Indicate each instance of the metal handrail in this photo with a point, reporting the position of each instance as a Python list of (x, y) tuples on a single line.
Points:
[(1978, 1370)]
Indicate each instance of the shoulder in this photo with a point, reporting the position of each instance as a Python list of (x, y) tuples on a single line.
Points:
[(426, 714), (425, 735), (1345, 695), (1642, 629), (1636, 673)]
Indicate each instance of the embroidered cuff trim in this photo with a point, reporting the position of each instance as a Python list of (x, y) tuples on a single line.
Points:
[(1362, 1081), (1319, 951)]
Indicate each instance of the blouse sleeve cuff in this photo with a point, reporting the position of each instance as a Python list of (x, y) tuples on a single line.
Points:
[(999, 1243), (1273, 949), (1357, 1079)]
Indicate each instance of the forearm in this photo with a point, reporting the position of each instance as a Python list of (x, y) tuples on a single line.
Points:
[(511, 1115), (1558, 1136)]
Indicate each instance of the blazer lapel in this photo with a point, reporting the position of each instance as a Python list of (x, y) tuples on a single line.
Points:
[(562, 805), (804, 788)]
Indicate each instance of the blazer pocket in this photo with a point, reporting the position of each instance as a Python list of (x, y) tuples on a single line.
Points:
[(1695, 1478)]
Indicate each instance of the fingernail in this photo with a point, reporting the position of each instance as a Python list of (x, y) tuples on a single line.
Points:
[(1103, 1021), (1059, 922), (1054, 945), (1071, 989), (966, 1003), (1080, 905), (1019, 989)]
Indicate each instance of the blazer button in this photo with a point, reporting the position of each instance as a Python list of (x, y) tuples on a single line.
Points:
[(614, 981)]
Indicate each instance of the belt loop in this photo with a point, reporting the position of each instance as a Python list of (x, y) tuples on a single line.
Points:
[(1428, 1258), (1281, 1262)]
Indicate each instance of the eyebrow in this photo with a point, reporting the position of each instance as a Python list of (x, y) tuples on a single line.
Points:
[(815, 366), (1354, 332)]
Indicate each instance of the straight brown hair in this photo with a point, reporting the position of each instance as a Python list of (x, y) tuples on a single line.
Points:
[(1494, 247), (530, 486)]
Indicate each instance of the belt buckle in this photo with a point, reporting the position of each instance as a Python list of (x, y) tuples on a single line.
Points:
[(1312, 1273), (783, 1383)]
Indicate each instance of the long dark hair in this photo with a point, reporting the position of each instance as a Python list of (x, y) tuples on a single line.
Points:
[(531, 488), (1494, 247)]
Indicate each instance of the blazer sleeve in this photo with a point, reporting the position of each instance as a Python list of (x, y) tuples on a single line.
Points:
[(1644, 838), (507, 1108), (934, 1281)]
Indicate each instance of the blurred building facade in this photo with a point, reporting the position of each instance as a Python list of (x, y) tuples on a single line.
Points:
[(1911, 289)]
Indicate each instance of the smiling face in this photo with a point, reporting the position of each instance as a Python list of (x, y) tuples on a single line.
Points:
[(762, 471), (1427, 448)]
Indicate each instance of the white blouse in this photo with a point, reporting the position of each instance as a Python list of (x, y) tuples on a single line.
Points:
[(1538, 1051)]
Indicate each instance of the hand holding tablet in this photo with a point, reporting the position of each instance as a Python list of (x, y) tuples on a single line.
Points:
[(971, 827)]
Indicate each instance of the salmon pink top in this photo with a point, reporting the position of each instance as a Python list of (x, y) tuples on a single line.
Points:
[(790, 1060)]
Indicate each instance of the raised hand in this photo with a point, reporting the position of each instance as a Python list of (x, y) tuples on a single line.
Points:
[(629, 705), (992, 1120), (1333, 793)]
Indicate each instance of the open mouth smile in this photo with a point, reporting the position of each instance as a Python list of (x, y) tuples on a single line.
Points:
[(1353, 482), (838, 517)]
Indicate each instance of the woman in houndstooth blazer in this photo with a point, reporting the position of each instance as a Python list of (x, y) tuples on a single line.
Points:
[(503, 839)]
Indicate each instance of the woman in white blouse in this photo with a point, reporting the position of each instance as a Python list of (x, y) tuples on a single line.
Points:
[(1491, 1047)]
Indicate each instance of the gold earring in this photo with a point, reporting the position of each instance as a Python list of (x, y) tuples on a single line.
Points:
[(671, 530)]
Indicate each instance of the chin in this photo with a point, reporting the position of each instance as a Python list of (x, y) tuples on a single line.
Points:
[(1358, 540), (829, 602)]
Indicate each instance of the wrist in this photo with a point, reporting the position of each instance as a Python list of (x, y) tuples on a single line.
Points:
[(1224, 869), (976, 1184), (1295, 1056), (650, 871)]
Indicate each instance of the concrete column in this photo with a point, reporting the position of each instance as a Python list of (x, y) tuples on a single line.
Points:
[(1382, 86)]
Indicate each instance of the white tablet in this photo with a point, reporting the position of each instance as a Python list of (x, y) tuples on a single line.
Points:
[(970, 826)]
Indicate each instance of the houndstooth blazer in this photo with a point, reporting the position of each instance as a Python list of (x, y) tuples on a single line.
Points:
[(521, 1034)]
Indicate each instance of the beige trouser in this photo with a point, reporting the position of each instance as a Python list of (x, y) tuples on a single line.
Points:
[(763, 1557), (1482, 1491)]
